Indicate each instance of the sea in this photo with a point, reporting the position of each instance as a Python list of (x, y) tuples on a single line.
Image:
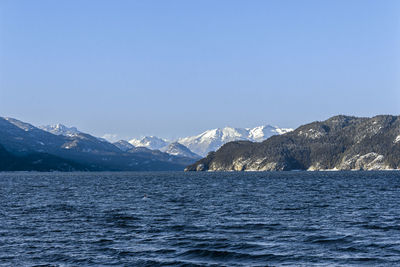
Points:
[(200, 219)]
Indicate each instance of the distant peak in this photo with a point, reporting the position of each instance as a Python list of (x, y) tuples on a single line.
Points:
[(60, 129), (151, 142)]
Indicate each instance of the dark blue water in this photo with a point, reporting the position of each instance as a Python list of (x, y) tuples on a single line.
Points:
[(200, 219)]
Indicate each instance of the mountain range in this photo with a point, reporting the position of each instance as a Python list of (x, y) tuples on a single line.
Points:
[(58, 147), (26, 147), (210, 140), (191, 147), (60, 129), (339, 143)]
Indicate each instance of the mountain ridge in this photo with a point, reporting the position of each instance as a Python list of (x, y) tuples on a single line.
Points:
[(22, 139), (60, 129), (178, 149), (211, 140)]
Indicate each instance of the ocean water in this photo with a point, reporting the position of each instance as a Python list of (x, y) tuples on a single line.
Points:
[(200, 219)]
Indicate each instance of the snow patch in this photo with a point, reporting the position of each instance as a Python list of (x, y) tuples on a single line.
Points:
[(312, 134)]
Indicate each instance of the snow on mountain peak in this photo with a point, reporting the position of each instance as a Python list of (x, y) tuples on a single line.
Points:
[(261, 133), (209, 140), (178, 149), (123, 145), (229, 134), (213, 139), (151, 142), (60, 129)]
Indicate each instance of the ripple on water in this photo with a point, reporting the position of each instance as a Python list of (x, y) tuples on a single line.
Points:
[(200, 219)]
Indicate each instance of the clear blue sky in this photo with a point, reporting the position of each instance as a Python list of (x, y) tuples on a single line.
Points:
[(175, 68)]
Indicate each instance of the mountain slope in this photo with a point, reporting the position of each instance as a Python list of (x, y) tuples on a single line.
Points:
[(37, 162), (123, 145), (209, 140), (151, 142), (60, 129), (23, 139), (178, 149), (341, 142)]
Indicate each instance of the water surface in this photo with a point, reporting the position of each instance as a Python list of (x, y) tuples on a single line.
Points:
[(200, 219)]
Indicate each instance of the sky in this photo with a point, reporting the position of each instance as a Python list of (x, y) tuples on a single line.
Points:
[(176, 68)]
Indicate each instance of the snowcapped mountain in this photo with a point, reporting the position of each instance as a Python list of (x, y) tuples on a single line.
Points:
[(123, 145), (155, 143), (60, 129), (213, 139), (260, 133), (178, 149), (95, 153), (151, 142), (207, 141)]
